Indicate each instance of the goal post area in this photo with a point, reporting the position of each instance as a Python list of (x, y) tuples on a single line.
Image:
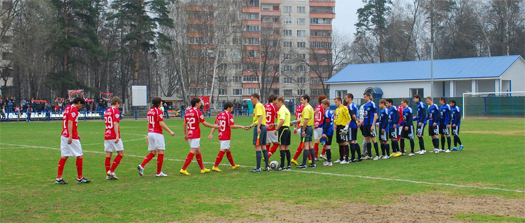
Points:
[(494, 104)]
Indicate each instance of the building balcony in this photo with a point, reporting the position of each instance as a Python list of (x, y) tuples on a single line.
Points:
[(246, 34), (322, 15), (320, 39), (251, 9), (322, 3), (270, 1), (321, 27), (251, 22), (270, 12)]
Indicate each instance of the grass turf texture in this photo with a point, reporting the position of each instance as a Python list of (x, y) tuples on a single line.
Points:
[(28, 171)]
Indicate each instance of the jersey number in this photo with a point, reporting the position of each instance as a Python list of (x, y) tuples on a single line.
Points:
[(191, 121), (319, 117), (108, 120), (222, 124), (268, 116), (151, 120)]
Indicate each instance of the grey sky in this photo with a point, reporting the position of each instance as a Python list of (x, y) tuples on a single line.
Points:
[(346, 16)]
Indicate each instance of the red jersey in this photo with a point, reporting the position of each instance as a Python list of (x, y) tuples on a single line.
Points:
[(318, 117), (400, 108), (225, 121), (271, 115), (298, 112), (155, 116), (70, 114), (111, 116), (193, 118)]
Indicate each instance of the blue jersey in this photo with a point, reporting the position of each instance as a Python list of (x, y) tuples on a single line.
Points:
[(384, 119), (369, 112), (445, 114), (328, 123), (434, 115), (393, 117), (353, 111), (456, 116), (408, 117), (421, 113)]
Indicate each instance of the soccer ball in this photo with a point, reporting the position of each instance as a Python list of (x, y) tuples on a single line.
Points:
[(274, 165)]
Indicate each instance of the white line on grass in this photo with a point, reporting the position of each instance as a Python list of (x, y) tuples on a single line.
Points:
[(310, 172)]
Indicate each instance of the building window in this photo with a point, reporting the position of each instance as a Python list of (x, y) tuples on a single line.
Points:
[(251, 28), (236, 54), (253, 3), (416, 91), (301, 80), (222, 54), (341, 94), (287, 68), (287, 9), (301, 68), (250, 78), (301, 91), (253, 53), (287, 56), (301, 9), (237, 79), (222, 67), (237, 91), (320, 21), (287, 20), (287, 32), (301, 21), (301, 44), (301, 56), (287, 80), (251, 16), (251, 41), (287, 92), (316, 91), (249, 91), (301, 33), (287, 44), (222, 92)]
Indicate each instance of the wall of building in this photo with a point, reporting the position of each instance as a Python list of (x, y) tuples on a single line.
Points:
[(463, 87), (390, 89), (516, 74)]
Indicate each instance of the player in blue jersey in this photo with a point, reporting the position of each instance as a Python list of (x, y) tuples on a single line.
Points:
[(328, 130), (407, 132), (352, 134), (369, 122), (393, 120), (383, 130), (456, 122), (433, 117), (444, 126), (421, 122)]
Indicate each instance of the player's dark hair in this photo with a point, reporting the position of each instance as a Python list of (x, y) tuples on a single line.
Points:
[(255, 95), (417, 96), (194, 101), (116, 100), (367, 94), (345, 103), (338, 98), (321, 98), (306, 97), (156, 102), (382, 101), (325, 102), (77, 100), (452, 101), (429, 98), (350, 95), (389, 100), (228, 105), (443, 99), (404, 100), (272, 98), (281, 99)]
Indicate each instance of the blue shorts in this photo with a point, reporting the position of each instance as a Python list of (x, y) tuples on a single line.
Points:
[(262, 137)]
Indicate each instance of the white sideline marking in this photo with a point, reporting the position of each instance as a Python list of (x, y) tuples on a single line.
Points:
[(307, 172)]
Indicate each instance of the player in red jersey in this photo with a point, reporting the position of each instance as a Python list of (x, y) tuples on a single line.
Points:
[(318, 120), (112, 142), (225, 121), (271, 114), (297, 122), (192, 134), (155, 138), (70, 141)]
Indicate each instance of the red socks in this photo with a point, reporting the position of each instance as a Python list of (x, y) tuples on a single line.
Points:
[(324, 150), (189, 158), (316, 149), (147, 159), (219, 158), (116, 162), (61, 164), (160, 160), (268, 147), (230, 158), (299, 151), (108, 164), (199, 160), (79, 167), (272, 150)]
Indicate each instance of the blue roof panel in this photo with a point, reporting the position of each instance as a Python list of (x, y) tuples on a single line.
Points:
[(478, 67)]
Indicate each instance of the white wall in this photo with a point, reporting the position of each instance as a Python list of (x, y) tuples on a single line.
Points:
[(390, 89), (486, 85), (463, 87), (515, 73)]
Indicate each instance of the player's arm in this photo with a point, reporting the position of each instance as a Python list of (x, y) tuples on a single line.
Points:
[(352, 114), (234, 127), (70, 131), (374, 121), (165, 127), (184, 127), (410, 121), (281, 123), (117, 133), (210, 125)]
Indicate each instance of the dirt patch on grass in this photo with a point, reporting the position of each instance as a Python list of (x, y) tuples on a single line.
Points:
[(496, 132), (417, 208)]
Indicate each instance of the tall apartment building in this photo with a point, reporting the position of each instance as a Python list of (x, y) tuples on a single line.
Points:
[(254, 41)]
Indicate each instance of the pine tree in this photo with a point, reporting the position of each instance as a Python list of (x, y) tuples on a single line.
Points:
[(373, 17)]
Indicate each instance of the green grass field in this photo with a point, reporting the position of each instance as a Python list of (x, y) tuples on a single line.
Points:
[(489, 171)]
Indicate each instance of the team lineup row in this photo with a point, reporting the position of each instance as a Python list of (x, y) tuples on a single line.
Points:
[(319, 125)]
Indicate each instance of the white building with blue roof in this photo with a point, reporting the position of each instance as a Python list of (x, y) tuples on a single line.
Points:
[(452, 77)]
